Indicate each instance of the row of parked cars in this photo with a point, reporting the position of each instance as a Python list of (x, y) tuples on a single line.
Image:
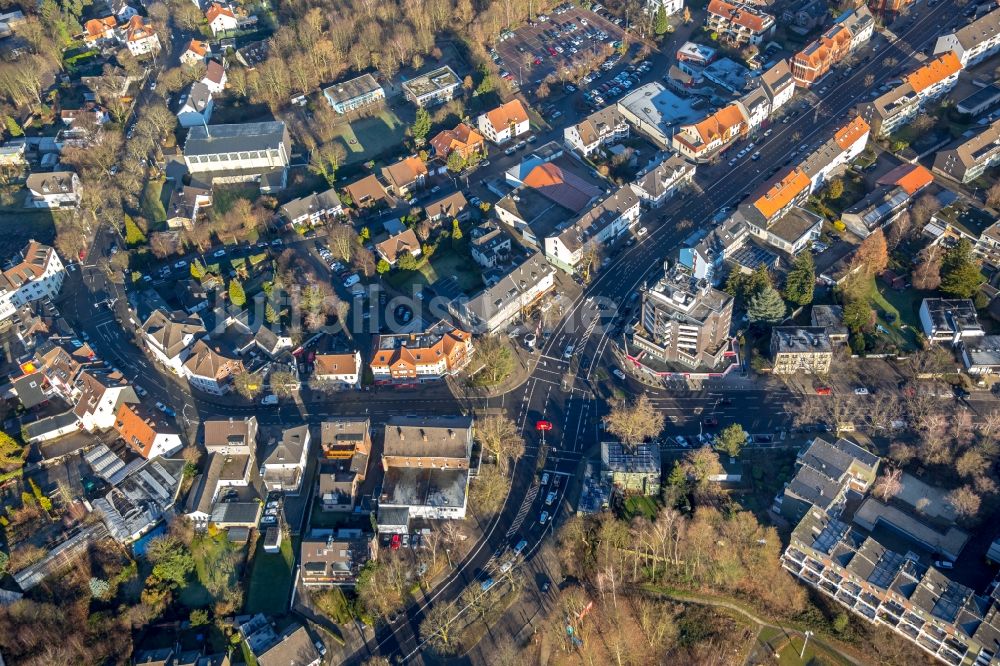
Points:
[(616, 87)]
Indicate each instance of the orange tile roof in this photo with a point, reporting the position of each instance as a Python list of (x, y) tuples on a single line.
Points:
[(851, 132), (935, 71), (719, 123), (740, 15), (135, 428), (336, 364), (507, 114), (462, 138), (911, 177), (403, 357), (217, 10), (199, 47), (98, 27), (782, 193)]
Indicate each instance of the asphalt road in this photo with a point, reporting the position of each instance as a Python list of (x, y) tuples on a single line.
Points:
[(575, 413)]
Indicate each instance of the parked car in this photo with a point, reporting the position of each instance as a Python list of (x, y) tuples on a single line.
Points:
[(545, 479), (861, 390), (550, 498), (351, 281), (521, 545), (544, 518), (618, 373)]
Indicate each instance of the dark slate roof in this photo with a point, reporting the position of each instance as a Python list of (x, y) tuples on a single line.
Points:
[(234, 138)]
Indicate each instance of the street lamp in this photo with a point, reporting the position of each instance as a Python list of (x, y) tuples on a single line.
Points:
[(802, 654)]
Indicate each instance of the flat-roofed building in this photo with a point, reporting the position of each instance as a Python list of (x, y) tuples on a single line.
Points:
[(800, 349), (825, 472), (950, 320), (354, 94), (432, 88), (981, 356), (335, 557)]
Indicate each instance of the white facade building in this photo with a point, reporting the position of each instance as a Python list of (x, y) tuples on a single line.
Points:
[(55, 189), (38, 274)]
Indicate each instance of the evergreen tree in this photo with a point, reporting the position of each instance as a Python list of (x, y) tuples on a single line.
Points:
[(660, 23), (421, 126), (801, 279), (455, 161), (237, 296), (456, 231), (960, 274), (766, 306), (133, 234), (197, 270), (383, 267), (857, 314), (12, 127)]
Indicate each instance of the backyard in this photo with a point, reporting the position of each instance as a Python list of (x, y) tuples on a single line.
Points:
[(217, 561), (453, 264), (270, 579), (897, 311), (17, 228)]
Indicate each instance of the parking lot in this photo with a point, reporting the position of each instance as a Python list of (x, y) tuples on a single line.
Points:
[(567, 43)]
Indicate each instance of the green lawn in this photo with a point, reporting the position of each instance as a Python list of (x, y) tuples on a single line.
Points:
[(271, 579), (152, 202), (216, 564), (445, 262), (21, 225), (367, 138), (814, 655), (901, 307), (640, 505), (223, 198)]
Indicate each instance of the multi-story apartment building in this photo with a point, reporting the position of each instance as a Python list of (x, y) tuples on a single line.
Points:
[(101, 393), (705, 259), (973, 42), (833, 156), (778, 84), (507, 301), (602, 127), (967, 158), (507, 121), (331, 557), (285, 467), (775, 215), (898, 590), (950, 320), (897, 107), (463, 139), (426, 462), (354, 94), (659, 181), (572, 242), (231, 437), (170, 336), (146, 430), (415, 357), (701, 140), (140, 37), (800, 349), (684, 320), (208, 370), (54, 189), (38, 273), (739, 23), (240, 153), (850, 31), (435, 87)]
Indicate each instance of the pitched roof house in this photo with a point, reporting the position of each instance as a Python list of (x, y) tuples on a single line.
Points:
[(339, 368), (391, 248), (169, 337), (405, 176), (221, 19), (208, 370), (442, 349), (463, 139), (102, 393), (146, 430), (505, 122), (197, 51)]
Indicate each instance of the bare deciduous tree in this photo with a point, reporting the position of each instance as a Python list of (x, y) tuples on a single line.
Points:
[(888, 484), (634, 422)]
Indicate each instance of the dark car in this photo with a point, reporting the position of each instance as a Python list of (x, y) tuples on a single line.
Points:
[(711, 421)]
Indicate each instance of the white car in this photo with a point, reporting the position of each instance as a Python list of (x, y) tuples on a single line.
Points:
[(618, 373), (141, 391), (642, 231), (506, 566), (219, 253), (351, 281), (680, 440), (269, 400), (160, 406), (180, 264), (861, 390)]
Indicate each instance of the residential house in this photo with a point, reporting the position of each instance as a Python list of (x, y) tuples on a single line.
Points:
[(146, 430), (215, 77), (967, 158), (35, 274), (850, 31), (61, 365), (706, 259), (632, 470), (231, 437), (97, 32), (12, 155), (354, 94), (507, 121), (973, 42), (449, 207), (435, 87), (897, 107), (757, 107), (123, 11), (660, 180), (415, 357), (185, 206), (774, 214), (221, 19), (197, 52), (31, 390), (949, 320), (313, 209), (778, 84), (825, 473), (670, 7), (426, 463), (391, 248), (81, 118), (702, 139), (197, 106), (170, 336), (684, 320), (876, 210), (507, 301), (345, 451), (367, 192), (338, 369), (739, 23), (463, 139), (101, 395), (293, 648), (800, 349), (285, 466), (695, 53), (206, 369), (489, 245), (239, 153), (606, 126), (981, 356), (140, 37), (979, 102), (54, 189), (834, 154), (335, 557), (601, 225), (405, 176)]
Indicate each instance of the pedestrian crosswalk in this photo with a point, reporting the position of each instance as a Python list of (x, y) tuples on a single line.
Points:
[(529, 499)]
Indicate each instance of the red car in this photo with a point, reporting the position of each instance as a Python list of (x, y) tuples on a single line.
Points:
[(394, 544), (538, 61), (824, 390), (552, 51)]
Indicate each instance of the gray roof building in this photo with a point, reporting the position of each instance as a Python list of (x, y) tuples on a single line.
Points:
[(967, 159), (509, 299)]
